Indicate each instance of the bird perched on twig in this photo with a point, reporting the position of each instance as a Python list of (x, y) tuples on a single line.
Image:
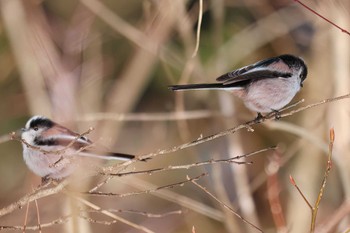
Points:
[(266, 86), (52, 151)]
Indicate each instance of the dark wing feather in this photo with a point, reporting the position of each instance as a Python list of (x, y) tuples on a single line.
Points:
[(256, 75), (246, 69)]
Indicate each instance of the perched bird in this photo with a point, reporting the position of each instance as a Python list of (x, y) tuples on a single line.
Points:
[(265, 86), (52, 151)]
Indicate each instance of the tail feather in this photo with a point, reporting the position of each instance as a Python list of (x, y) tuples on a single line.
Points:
[(196, 86)]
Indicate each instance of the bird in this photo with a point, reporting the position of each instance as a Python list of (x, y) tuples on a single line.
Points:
[(52, 151), (265, 86)]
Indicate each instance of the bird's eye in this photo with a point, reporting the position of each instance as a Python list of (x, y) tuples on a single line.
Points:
[(36, 128)]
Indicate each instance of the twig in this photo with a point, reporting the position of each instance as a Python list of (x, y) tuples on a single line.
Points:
[(314, 209), (188, 166), (50, 191), (107, 213), (147, 214), (235, 129), (35, 195), (226, 206), (91, 220), (292, 181), (35, 228), (65, 219), (326, 174), (200, 16), (201, 139), (180, 183), (38, 214), (26, 218), (324, 18)]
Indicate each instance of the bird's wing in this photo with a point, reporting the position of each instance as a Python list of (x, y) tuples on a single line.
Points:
[(84, 146), (256, 75), (60, 135), (268, 68)]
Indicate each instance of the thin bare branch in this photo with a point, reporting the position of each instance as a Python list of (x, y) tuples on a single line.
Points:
[(323, 186), (225, 205), (324, 18), (180, 183), (314, 209), (35, 195), (107, 213), (188, 166), (292, 181), (50, 191), (246, 125), (38, 214), (64, 219)]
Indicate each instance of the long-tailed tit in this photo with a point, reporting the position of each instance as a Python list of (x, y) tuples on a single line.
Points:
[(265, 86), (52, 151)]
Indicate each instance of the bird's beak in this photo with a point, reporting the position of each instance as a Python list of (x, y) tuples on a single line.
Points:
[(23, 130), (301, 84)]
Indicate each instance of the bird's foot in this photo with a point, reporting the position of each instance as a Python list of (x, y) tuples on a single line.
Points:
[(277, 114), (259, 117)]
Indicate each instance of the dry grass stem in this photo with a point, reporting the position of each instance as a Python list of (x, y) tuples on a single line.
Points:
[(198, 35), (166, 116), (118, 24)]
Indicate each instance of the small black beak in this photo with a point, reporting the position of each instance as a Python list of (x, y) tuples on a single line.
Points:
[(301, 84)]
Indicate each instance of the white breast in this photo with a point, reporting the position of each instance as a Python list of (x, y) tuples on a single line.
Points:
[(44, 164), (271, 94)]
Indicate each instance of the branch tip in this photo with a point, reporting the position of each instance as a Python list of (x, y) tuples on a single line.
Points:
[(331, 135), (291, 179)]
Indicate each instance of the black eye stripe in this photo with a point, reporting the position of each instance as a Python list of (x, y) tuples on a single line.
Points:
[(45, 142)]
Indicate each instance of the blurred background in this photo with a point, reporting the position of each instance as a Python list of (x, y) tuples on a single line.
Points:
[(107, 64)]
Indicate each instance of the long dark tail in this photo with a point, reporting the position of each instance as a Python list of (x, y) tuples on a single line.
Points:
[(196, 86), (121, 156), (107, 156)]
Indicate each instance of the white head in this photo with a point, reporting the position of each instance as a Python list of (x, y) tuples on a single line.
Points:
[(34, 128)]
